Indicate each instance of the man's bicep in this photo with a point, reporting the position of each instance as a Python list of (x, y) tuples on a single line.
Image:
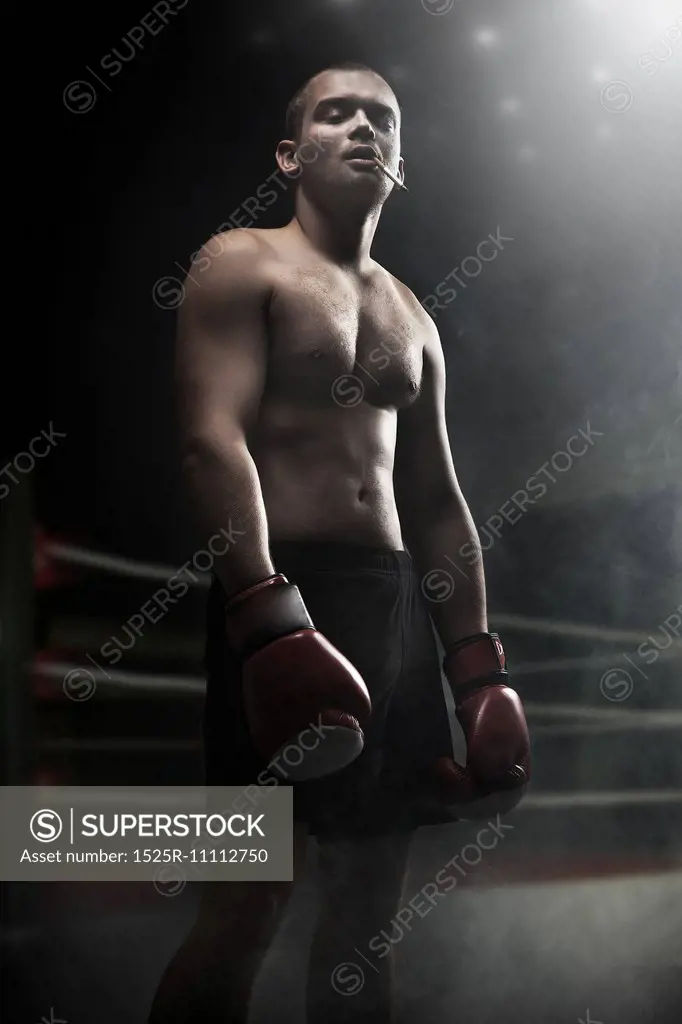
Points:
[(221, 350)]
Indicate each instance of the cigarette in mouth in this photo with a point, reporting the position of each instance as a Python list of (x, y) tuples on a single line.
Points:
[(390, 174)]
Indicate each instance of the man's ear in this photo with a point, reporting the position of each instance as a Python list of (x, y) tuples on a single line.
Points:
[(286, 155), (401, 170)]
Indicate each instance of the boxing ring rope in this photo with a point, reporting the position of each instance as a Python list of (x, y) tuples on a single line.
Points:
[(573, 664), (616, 718), (604, 720), (72, 554), (579, 630), (75, 555), (604, 798), (149, 681), (120, 744), (568, 720)]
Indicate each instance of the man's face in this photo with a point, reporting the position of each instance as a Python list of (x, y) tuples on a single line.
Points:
[(350, 116)]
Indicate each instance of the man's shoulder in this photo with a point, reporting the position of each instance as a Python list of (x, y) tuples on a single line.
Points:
[(252, 243), (236, 255)]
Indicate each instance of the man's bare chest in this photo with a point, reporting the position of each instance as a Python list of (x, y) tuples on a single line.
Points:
[(332, 341)]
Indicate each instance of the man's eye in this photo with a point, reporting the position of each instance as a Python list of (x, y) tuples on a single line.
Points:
[(335, 115)]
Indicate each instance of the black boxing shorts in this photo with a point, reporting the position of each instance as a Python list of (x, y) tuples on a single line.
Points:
[(368, 603)]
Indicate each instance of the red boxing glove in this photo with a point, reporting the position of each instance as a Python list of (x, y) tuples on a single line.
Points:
[(494, 725), (299, 691)]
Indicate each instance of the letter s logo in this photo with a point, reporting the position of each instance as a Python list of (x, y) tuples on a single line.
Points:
[(46, 826)]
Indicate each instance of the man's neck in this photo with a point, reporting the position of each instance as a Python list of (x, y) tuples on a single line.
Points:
[(344, 236)]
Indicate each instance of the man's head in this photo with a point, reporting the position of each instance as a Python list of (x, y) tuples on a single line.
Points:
[(334, 123)]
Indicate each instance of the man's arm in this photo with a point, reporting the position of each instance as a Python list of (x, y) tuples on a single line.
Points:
[(436, 526), (435, 520), (293, 681), (221, 365)]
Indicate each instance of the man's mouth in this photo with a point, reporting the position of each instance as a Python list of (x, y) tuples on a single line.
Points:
[(363, 154)]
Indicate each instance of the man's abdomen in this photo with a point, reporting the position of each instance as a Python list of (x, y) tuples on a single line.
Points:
[(331, 479), (310, 502)]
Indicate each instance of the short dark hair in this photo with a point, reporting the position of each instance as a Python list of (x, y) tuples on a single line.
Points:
[(296, 105)]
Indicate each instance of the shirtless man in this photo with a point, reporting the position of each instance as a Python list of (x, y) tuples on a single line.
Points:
[(313, 389)]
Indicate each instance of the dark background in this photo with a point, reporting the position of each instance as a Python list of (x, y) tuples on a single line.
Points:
[(581, 315), (510, 121)]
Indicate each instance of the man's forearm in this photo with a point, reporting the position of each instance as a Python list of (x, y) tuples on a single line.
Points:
[(225, 488), (453, 588)]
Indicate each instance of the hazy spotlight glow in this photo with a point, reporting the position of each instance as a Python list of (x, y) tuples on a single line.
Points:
[(604, 131), (638, 22), (510, 105), (486, 37), (605, 6)]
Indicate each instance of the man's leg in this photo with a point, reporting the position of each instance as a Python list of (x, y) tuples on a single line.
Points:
[(361, 884), (211, 976)]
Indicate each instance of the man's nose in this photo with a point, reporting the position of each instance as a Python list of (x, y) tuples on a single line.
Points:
[(363, 128)]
